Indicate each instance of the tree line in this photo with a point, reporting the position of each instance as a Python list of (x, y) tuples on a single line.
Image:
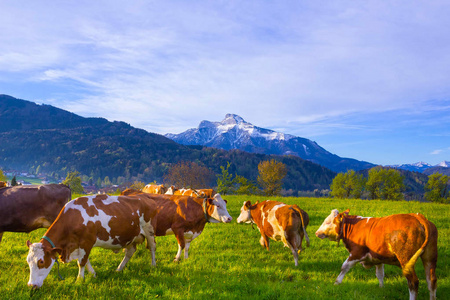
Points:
[(386, 184)]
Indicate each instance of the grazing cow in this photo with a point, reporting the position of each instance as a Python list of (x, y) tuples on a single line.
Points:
[(171, 190), (29, 207), (154, 189), (395, 240), (277, 221), (205, 193), (185, 216), (111, 222), (186, 192)]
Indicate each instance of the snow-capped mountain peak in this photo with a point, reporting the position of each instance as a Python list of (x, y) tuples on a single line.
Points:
[(234, 132), (445, 164)]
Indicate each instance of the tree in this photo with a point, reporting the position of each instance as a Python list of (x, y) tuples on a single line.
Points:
[(385, 184), (337, 186), (437, 188), (188, 174), (73, 180), (225, 181), (14, 181), (347, 185), (271, 174), (137, 185), (3, 176), (393, 185), (244, 186)]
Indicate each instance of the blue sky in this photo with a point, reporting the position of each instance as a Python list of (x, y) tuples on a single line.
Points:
[(364, 79)]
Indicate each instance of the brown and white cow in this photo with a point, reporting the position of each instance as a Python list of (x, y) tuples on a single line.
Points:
[(205, 193), (278, 221), (111, 222), (155, 189), (186, 217), (29, 207), (186, 192), (395, 240)]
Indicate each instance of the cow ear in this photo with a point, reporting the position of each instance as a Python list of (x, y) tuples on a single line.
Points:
[(225, 201), (56, 250), (28, 243), (347, 211)]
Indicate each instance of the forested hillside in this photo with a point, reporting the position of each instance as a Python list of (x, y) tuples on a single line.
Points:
[(45, 139)]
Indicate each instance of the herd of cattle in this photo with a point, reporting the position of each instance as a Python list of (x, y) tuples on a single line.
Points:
[(122, 222)]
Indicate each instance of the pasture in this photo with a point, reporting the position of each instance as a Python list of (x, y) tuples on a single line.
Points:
[(227, 262)]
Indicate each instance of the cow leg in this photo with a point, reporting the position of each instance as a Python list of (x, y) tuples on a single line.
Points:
[(429, 261), (264, 241), (380, 273), (413, 283), (346, 266), (90, 268), (295, 254), (186, 249), (82, 261), (181, 245), (129, 251), (151, 245)]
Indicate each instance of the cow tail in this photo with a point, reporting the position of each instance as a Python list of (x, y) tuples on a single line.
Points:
[(409, 267), (299, 211)]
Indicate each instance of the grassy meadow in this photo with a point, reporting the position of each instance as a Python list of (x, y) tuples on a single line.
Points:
[(227, 262)]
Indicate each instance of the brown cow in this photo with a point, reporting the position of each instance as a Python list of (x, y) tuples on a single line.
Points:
[(154, 189), (395, 240), (205, 193), (28, 207), (185, 216), (111, 222), (186, 192), (277, 221)]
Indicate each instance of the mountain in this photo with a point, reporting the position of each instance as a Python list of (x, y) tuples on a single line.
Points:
[(425, 168), (45, 139), (235, 133), (416, 167)]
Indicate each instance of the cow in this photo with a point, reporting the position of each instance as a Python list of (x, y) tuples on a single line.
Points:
[(278, 221), (205, 193), (3, 184), (29, 207), (171, 190), (111, 222), (185, 216), (186, 192), (395, 240), (154, 189)]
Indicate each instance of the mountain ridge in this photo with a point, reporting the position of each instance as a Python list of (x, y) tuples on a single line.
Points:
[(42, 138), (234, 132)]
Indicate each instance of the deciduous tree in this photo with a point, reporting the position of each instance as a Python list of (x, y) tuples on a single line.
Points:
[(437, 188), (188, 174), (73, 180), (271, 174)]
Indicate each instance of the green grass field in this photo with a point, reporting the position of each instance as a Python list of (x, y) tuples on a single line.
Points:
[(227, 262)]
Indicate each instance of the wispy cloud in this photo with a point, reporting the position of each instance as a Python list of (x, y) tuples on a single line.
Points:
[(306, 67)]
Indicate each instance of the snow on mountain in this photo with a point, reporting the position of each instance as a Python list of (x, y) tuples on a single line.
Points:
[(234, 132), (445, 164)]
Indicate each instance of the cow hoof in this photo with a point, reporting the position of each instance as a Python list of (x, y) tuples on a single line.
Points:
[(337, 283)]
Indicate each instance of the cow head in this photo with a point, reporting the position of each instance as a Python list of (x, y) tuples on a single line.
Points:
[(171, 190), (40, 260), (219, 210), (330, 228), (246, 216)]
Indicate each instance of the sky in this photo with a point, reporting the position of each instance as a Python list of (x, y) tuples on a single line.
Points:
[(368, 80)]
